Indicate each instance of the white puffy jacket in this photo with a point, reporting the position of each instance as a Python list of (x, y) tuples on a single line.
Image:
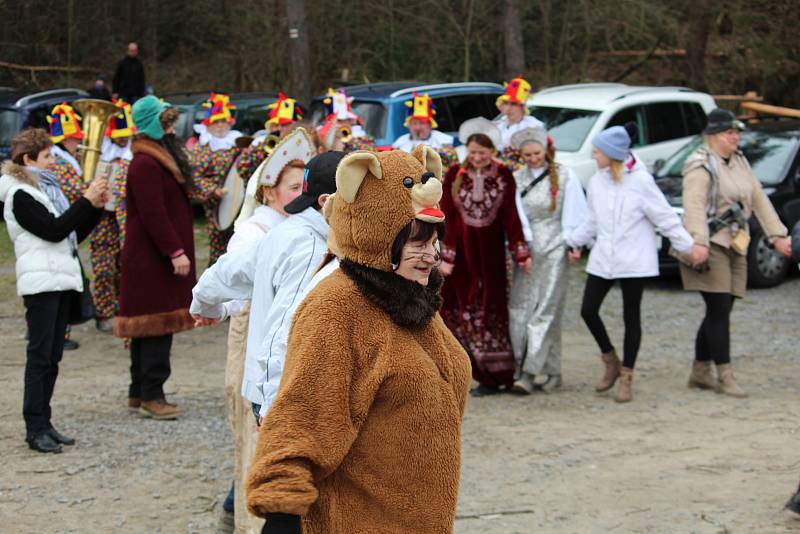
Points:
[(41, 265), (623, 219)]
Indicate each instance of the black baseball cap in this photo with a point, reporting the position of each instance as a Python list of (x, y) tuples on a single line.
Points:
[(319, 179), (720, 120)]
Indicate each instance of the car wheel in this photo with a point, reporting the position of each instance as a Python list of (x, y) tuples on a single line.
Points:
[(765, 267)]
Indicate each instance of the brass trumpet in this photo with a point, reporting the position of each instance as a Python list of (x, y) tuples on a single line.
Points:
[(345, 133), (269, 144), (95, 114)]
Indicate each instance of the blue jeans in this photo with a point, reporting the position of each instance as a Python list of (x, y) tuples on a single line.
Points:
[(228, 504), (256, 409)]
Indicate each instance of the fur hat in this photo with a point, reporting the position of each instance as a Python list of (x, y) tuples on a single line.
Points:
[(121, 124), (219, 108), (377, 195), (421, 107), (64, 123), (295, 146), (480, 125)]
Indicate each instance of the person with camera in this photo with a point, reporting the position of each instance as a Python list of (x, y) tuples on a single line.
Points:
[(720, 194)]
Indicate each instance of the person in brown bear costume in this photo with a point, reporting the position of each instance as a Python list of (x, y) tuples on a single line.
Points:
[(364, 435)]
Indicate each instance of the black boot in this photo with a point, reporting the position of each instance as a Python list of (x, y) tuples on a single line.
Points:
[(58, 437), (794, 503), (42, 442)]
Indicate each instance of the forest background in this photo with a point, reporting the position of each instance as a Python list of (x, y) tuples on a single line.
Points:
[(303, 46)]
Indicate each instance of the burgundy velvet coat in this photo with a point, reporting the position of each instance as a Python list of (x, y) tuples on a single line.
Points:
[(481, 219), (154, 301)]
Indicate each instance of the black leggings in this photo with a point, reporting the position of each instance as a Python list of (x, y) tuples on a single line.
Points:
[(713, 341), (593, 295)]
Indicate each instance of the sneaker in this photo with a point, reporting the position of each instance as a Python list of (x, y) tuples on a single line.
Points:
[(553, 383), (71, 344), (159, 409), (105, 326), (524, 384)]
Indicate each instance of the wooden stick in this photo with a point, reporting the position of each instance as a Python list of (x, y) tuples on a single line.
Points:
[(47, 68), (771, 110)]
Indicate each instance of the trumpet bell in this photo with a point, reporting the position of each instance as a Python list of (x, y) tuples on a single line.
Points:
[(270, 142)]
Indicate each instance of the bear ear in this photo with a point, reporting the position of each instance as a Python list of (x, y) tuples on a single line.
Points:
[(327, 208), (430, 159), (351, 173)]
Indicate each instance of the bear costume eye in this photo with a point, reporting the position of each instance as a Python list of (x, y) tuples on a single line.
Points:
[(408, 182)]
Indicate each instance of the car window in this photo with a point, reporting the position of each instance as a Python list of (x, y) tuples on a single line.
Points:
[(465, 107), (9, 124), (374, 116), (695, 117), (568, 127), (626, 115), (770, 155), (444, 119), (37, 117), (252, 119), (664, 122)]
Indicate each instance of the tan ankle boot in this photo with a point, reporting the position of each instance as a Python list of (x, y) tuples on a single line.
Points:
[(727, 383), (702, 376), (625, 386), (611, 360), (159, 409)]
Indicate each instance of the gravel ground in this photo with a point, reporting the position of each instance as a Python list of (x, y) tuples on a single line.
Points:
[(674, 460)]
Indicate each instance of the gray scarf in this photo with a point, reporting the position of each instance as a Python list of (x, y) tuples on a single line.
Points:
[(51, 187)]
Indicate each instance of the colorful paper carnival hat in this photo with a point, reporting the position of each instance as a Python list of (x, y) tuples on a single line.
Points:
[(517, 92), (421, 107), (338, 105), (296, 145), (219, 108), (121, 124), (284, 111), (64, 123)]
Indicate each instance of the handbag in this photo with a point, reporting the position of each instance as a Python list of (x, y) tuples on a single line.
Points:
[(81, 306)]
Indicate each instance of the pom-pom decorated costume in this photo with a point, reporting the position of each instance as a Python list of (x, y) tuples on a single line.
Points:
[(65, 124)]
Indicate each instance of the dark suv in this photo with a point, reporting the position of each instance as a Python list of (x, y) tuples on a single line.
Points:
[(23, 109), (382, 106), (773, 149)]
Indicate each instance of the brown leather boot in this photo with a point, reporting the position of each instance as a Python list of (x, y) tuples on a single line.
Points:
[(134, 404), (159, 409), (702, 376), (625, 385), (727, 383), (611, 360)]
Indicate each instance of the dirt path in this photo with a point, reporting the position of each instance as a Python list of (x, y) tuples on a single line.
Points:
[(672, 461)]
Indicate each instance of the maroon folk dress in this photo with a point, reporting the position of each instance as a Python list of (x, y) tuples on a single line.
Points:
[(480, 218)]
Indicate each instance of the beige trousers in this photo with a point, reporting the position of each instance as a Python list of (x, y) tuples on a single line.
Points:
[(243, 423)]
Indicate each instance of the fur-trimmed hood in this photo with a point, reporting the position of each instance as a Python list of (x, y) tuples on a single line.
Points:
[(11, 173)]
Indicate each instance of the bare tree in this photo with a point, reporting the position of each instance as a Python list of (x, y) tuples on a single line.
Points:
[(299, 55), (514, 46), (700, 13)]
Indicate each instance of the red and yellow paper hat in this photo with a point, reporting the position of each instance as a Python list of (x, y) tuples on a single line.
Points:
[(121, 124), (284, 111), (64, 123), (421, 107), (337, 104), (219, 109), (517, 92)]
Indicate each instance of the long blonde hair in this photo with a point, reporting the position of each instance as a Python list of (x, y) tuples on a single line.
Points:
[(616, 167)]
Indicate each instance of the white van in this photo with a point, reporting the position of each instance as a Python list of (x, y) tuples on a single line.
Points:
[(573, 114)]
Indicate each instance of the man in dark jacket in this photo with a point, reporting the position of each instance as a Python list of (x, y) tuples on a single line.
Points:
[(128, 81), (99, 89)]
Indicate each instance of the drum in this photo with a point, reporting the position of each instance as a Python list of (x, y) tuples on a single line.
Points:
[(231, 202)]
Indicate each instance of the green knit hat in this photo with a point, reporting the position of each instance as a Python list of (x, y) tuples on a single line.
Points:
[(146, 115)]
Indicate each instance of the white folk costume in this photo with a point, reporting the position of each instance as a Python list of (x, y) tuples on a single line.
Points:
[(553, 204), (517, 92), (255, 221), (105, 243), (211, 158)]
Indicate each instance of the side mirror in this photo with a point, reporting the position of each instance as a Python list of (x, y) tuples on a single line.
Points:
[(658, 165)]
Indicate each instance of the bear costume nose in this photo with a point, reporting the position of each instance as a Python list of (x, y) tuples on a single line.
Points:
[(426, 176)]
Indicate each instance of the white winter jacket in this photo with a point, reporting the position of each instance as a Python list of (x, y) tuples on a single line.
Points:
[(41, 265), (272, 275), (623, 219)]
